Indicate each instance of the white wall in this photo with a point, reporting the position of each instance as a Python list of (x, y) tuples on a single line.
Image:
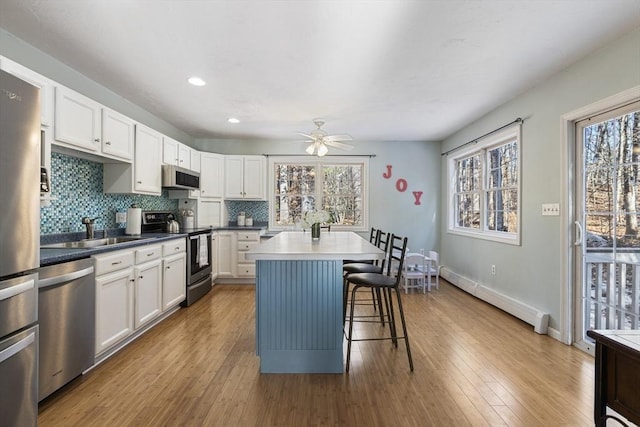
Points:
[(416, 162), (531, 272)]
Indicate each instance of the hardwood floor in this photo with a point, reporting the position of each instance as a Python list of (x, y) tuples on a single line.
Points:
[(474, 366)]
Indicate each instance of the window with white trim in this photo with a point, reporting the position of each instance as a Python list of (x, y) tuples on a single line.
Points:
[(484, 188), (336, 185)]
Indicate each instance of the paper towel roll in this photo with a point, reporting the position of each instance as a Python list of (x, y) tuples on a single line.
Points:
[(134, 220)]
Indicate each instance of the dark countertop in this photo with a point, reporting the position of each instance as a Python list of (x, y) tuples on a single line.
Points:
[(58, 255)]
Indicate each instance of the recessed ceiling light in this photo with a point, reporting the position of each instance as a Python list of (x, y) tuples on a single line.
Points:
[(233, 120), (196, 81)]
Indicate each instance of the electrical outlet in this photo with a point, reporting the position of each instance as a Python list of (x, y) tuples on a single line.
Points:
[(551, 209), (121, 217), (493, 269)]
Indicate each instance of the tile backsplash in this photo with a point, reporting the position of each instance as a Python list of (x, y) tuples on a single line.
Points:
[(77, 192), (259, 211)]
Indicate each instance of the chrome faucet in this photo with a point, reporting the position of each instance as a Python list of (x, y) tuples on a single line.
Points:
[(89, 223)]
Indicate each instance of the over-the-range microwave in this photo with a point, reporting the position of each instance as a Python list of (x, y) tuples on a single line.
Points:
[(177, 177)]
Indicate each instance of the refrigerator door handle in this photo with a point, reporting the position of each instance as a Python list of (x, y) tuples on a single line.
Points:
[(17, 347), (12, 291)]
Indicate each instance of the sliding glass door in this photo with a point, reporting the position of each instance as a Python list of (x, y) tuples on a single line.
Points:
[(607, 245)]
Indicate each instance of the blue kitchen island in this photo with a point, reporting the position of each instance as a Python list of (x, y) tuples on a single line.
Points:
[(299, 299)]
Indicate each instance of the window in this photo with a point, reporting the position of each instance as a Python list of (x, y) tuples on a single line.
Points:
[(301, 184), (484, 188)]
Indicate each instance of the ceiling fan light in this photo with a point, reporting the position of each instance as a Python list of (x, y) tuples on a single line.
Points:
[(322, 150), (310, 149)]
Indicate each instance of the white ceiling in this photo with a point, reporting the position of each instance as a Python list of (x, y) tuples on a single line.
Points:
[(378, 69)]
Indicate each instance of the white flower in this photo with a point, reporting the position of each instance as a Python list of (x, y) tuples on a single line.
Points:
[(312, 217)]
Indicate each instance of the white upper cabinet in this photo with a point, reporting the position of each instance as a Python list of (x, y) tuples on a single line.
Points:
[(77, 120), (245, 177), (175, 153), (144, 175), (117, 134), (147, 172), (169, 151), (195, 160), (46, 87), (85, 125), (211, 175)]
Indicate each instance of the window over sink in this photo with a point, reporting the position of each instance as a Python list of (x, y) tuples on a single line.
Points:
[(336, 185)]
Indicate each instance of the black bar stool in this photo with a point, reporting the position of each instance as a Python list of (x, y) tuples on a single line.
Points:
[(387, 283)]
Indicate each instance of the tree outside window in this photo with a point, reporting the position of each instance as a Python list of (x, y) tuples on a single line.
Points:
[(336, 186), (485, 190)]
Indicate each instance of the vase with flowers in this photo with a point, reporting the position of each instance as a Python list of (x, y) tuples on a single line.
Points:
[(313, 219)]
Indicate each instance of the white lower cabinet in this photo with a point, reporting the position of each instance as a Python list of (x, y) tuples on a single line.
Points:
[(232, 249), (173, 280), (227, 252), (134, 286), (114, 308), (148, 291)]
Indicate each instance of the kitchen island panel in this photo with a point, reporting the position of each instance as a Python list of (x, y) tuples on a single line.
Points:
[(299, 316)]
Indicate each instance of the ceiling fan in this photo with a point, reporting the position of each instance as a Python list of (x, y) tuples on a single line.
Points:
[(320, 140)]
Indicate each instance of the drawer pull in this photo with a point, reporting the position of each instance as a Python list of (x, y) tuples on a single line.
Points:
[(116, 263), (150, 254)]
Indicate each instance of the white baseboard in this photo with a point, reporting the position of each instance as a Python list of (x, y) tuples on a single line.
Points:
[(533, 316)]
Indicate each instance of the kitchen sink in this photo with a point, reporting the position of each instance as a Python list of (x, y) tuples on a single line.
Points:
[(94, 243)]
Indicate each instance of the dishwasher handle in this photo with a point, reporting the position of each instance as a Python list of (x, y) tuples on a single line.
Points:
[(56, 280)]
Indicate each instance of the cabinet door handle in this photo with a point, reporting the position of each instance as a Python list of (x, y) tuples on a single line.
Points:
[(168, 267), (107, 143), (139, 182), (96, 140), (140, 277)]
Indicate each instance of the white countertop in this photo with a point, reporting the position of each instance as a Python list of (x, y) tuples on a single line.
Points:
[(332, 245)]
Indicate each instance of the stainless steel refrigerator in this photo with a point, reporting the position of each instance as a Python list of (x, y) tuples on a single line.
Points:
[(19, 249)]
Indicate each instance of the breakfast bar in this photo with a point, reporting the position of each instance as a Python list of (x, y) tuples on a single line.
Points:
[(299, 299)]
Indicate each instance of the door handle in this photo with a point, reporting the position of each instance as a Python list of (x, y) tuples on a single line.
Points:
[(18, 289), (578, 241), (17, 347)]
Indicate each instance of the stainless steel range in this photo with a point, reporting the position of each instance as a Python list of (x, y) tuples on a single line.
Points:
[(199, 253)]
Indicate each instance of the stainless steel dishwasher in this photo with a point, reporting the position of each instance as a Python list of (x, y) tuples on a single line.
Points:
[(66, 314)]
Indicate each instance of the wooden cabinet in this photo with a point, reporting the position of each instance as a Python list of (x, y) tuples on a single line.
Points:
[(117, 134), (144, 175), (114, 308), (148, 291), (195, 161), (114, 297), (232, 249), (174, 273), (246, 240), (212, 177), (175, 153), (85, 125), (77, 120), (147, 171), (227, 253), (134, 286), (173, 280), (245, 177)]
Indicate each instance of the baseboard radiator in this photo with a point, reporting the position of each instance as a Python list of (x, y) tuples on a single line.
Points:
[(533, 316)]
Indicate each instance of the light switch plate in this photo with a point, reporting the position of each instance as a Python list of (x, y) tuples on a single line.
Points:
[(121, 217), (551, 209)]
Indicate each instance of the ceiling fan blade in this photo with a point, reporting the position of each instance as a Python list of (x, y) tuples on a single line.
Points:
[(339, 145), (343, 137), (306, 135)]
